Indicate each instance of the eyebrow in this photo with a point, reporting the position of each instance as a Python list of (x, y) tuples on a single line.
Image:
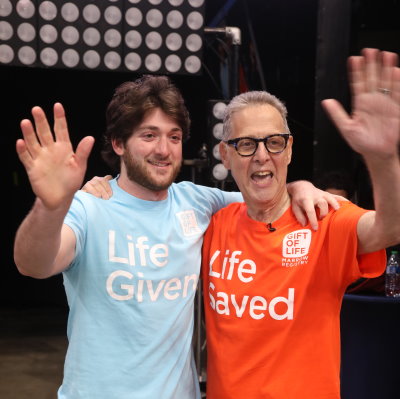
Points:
[(259, 138)]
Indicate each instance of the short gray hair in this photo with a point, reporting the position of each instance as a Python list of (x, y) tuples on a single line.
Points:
[(252, 98)]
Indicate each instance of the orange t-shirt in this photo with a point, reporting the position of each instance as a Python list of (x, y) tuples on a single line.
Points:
[(272, 302)]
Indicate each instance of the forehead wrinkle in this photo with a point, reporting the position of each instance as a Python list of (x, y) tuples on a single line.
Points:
[(148, 127), (257, 121), (257, 132), (157, 128)]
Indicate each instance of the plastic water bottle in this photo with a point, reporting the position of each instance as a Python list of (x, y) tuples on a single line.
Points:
[(392, 278)]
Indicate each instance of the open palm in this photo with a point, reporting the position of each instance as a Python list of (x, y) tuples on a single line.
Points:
[(373, 128), (55, 171)]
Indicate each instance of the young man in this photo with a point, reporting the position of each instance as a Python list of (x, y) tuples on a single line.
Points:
[(130, 264), (273, 288)]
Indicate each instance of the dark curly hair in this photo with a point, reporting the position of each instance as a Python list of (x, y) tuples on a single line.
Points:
[(129, 105)]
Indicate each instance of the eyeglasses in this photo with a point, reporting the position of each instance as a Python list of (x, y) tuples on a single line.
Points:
[(247, 146)]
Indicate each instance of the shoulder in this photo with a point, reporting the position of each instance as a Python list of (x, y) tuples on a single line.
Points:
[(349, 210), (206, 193), (82, 198), (198, 188), (86, 199), (231, 210), (84, 204), (344, 220)]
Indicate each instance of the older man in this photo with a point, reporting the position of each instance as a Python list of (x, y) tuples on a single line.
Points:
[(273, 288)]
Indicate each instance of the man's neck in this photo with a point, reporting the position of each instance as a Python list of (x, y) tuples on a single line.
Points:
[(271, 211), (139, 191)]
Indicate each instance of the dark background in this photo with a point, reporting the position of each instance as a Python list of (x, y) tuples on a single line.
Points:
[(302, 47)]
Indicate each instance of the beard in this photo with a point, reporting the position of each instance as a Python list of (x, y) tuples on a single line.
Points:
[(137, 172)]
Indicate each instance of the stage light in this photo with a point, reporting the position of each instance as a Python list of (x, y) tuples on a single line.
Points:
[(70, 35), (5, 8), (113, 15), (174, 41), (48, 34), (156, 36), (70, 12), (26, 32), (133, 62), (27, 55), (153, 62), (174, 19), (25, 9), (49, 56), (173, 63), (48, 10), (219, 172), (176, 3), (91, 13), (196, 3), (6, 30), (133, 39), (193, 64), (91, 37), (217, 130), (218, 109), (112, 60), (112, 38), (195, 20), (193, 42), (153, 40), (133, 16), (154, 18), (70, 58), (91, 59)]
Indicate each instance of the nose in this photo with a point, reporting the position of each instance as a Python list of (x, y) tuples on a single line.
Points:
[(162, 146), (261, 155)]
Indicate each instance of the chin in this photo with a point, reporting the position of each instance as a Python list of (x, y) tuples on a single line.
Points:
[(159, 185)]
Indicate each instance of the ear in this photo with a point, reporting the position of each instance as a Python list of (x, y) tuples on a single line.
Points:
[(118, 147), (289, 149), (223, 152)]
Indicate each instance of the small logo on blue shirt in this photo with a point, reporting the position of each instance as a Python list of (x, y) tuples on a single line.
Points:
[(188, 223)]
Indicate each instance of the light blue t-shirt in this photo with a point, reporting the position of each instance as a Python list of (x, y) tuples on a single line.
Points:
[(131, 291)]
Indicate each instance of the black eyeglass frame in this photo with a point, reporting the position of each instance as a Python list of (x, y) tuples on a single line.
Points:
[(234, 143)]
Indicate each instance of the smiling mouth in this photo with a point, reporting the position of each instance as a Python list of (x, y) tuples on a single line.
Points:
[(261, 176), (159, 163)]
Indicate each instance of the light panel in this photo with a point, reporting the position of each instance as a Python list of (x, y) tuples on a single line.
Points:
[(216, 109), (146, 36)]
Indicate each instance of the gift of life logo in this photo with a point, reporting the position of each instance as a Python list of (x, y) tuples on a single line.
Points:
[(295, 247)]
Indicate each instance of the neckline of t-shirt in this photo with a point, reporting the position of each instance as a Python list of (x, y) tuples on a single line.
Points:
[(131, 199)]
